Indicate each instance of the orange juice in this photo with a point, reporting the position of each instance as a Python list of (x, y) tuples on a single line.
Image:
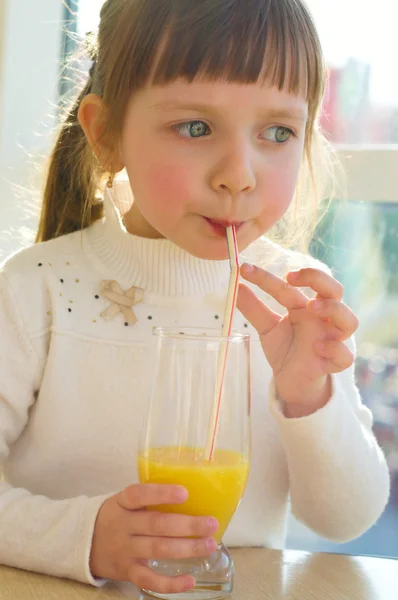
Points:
[(215, 487)]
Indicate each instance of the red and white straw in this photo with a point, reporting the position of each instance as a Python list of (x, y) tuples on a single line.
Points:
[(226, 332)]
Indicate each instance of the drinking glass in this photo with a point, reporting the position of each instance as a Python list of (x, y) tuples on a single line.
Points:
[(185, 441)]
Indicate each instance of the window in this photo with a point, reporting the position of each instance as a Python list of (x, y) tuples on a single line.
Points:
[(360, 45)]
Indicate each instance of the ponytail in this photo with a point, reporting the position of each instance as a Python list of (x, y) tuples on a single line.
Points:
[(73, 180)]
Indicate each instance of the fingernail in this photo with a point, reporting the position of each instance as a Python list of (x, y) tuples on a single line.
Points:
[(182, 493), (189, 584), (213, 525), (294, 275), (247, 268), (317, 304), (211, 545)]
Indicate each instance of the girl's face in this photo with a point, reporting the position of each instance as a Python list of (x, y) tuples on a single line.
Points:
[(203, 155)]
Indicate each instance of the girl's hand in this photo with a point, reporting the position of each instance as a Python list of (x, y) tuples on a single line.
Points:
[(306, 345), (126, 536)]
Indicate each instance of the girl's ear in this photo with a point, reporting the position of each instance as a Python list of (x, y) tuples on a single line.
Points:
[(92, 115)]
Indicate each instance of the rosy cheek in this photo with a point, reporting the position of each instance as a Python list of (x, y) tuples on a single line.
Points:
[(171, 183), (280, 188), (284, 190), (277, 191)]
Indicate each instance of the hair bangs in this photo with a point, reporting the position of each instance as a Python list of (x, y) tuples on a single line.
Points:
[(244, 42)]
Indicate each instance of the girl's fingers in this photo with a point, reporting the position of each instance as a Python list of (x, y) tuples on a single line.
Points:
[(337, 354), (155, 548), (154, 523), (288, 296), (260, 316), (337, 313), (324, 284), (144, 578)]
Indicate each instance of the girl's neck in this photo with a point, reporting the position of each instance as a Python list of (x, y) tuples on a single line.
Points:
[(136, 224)]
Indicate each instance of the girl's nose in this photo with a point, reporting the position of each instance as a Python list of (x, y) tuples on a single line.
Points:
[(234, 173)]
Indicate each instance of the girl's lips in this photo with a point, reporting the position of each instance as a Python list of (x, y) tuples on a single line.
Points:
[(219, 227)]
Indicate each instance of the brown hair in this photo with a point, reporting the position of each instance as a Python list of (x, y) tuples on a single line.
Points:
[(158, 41)]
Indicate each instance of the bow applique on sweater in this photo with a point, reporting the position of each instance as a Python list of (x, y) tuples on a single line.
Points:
[(121, 301)]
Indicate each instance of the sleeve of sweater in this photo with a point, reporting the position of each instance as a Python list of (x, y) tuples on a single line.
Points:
[(36, 532), (339, 480)]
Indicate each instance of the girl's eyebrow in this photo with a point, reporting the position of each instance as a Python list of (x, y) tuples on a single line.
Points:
[(176, 105), (293, 113)]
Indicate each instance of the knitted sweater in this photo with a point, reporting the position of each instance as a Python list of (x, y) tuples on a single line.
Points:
[(73, 391)]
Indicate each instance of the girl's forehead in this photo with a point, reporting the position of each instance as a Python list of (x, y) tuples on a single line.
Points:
[(221, 94)]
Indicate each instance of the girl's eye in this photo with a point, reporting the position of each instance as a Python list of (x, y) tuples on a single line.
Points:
[(280, 135), (192, 129)]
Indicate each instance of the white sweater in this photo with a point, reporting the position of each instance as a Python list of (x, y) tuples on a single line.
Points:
[(73, 390)]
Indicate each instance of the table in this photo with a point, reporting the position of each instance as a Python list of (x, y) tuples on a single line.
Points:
[(261, 574)]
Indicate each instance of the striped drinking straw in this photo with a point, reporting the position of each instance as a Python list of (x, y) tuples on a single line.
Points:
[(226, 332)]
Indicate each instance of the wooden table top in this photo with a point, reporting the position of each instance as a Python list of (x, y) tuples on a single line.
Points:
[(260, 575)]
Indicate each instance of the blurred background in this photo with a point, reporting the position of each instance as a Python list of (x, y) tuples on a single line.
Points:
[(359, 238)]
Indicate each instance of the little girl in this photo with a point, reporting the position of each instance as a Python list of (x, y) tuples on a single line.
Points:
[(210, 106)]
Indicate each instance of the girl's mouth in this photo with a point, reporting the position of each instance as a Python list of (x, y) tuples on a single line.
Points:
[(219, 227)]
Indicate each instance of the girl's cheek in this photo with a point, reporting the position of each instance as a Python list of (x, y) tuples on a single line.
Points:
[(280, 185), (169, 182), (283, 189), (277, 192)]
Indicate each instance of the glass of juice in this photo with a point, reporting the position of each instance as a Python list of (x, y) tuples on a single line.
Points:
[(187, 442)]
